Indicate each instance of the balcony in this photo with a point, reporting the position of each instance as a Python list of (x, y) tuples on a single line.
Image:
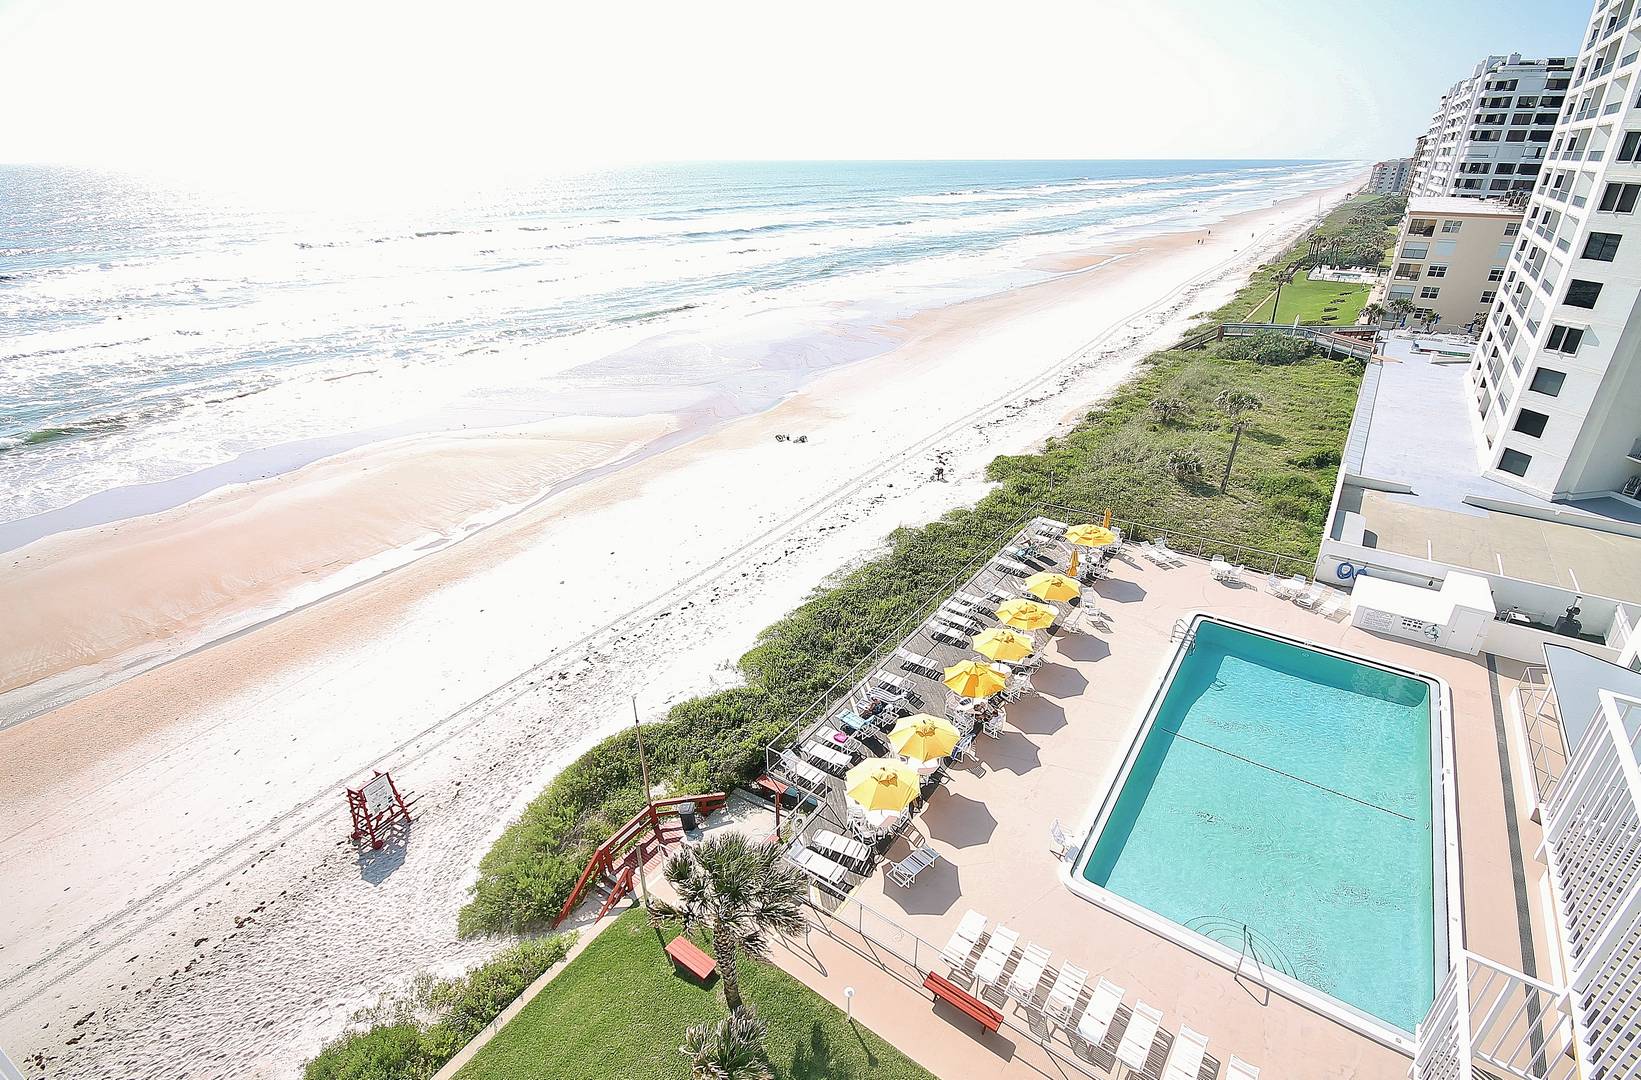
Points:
[(1635, 451), (1428, 229)]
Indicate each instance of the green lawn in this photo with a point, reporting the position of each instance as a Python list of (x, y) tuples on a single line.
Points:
[(619, 1010), (1308, 301)]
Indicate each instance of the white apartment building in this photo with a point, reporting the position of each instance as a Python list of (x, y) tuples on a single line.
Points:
[(1556, 378), (1390, 177), (1490, 132), (1450, 258)]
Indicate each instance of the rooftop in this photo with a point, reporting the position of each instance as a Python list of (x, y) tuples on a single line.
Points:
[(1454, 206), (1413, 475)]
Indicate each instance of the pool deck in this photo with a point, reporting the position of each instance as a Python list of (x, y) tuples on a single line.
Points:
[(990, 824)]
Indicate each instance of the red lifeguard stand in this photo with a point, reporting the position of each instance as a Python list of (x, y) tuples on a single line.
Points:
[(375, 807)]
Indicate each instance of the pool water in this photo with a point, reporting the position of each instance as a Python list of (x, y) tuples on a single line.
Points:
[(1290, 791)]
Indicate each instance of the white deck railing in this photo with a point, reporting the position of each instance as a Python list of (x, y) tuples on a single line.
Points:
[(1592, 842), (1487, 1016)]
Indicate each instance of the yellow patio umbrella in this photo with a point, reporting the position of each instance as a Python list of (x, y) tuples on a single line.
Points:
[(1052, 586), (923, 737), (881, 784), (1089, 536), (1023, 614), (972, 679), (1002, 643)]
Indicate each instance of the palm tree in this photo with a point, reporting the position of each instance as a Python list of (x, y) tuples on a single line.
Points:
[(1374, 312), (1400, 307), (1236, 404), (729, 1049), (737, 891)]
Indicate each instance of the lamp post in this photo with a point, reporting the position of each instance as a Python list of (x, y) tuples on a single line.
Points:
[(849, 1003)]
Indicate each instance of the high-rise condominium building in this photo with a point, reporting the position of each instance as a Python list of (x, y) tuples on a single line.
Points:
[(1390, 177), (1491, 130), (1556, 378)]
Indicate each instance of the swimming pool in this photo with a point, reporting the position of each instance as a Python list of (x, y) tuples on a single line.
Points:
[(1296, 793)]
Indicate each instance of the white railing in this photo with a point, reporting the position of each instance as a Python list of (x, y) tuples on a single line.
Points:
[(1592, 840), (1546, 741), (1489, 1017)]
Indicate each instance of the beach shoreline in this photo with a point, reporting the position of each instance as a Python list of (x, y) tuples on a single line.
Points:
[(106, 601), (637, 569)]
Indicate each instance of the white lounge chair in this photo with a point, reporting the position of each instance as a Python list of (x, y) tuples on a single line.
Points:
[(1171, 557), (1027, 974), (904, 872), (1240, 1070), (819, 866), (1311, 597), (917, 664), (804, 773), (841, 847), (960, 949), (1135, 1048), (1095, 1023), (1219, 569), (1185, 1058), (1062, 839), (826, 756), (999, 947), (1063, 995)]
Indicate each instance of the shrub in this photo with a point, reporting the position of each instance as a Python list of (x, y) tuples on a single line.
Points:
[(1187, 465), (1169, 410), (387, 1052), (730, 1049), (1269, 347), (1327, 458), (411, 1037)]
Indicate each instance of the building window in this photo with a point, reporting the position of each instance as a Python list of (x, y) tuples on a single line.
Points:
[(1435, 270), (1601, 246), (1452, 226), (1582, 293), (1619, 198), (1415, 251), (1512, 229), (1495, 274), (1531, 423), (1630, 148), (1429, 292), (1517, 135), (1401, 292), (1487, 297), (1515, 462), (1564, 339), (1547, 381)]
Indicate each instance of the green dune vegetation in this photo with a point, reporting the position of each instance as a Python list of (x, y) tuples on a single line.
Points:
[(1154, 453)]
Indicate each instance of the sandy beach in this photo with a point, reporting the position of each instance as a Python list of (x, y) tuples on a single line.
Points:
[(181, 897)]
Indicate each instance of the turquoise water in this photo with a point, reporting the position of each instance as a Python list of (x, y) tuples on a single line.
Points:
[(1291, 791)]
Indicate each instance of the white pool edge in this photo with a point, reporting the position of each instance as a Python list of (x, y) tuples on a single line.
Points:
[(1448, 934)]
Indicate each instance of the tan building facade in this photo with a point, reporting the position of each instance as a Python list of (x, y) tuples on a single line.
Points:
[(1450, 258)]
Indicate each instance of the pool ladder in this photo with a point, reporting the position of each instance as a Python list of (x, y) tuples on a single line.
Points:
[(1182, 632)]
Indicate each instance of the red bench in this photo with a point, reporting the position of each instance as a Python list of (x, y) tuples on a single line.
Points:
[(689, 956), (948, 991)]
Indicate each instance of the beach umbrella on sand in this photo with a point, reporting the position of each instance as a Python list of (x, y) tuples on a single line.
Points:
[(923, 737), (1087, 536), (881, 784), (972, 679), (1003, 643), (1052, 586), (1023, 614)]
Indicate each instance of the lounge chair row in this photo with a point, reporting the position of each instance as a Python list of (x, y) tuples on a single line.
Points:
[(1092, 1022), (1306, 593)]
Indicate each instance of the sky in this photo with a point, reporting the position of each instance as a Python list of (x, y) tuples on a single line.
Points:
[(253, 84)]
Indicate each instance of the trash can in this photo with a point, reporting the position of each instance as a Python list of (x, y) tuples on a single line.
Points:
[(686, 816)]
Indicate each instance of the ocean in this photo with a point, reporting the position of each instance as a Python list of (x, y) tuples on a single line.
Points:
[(158, 338)]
